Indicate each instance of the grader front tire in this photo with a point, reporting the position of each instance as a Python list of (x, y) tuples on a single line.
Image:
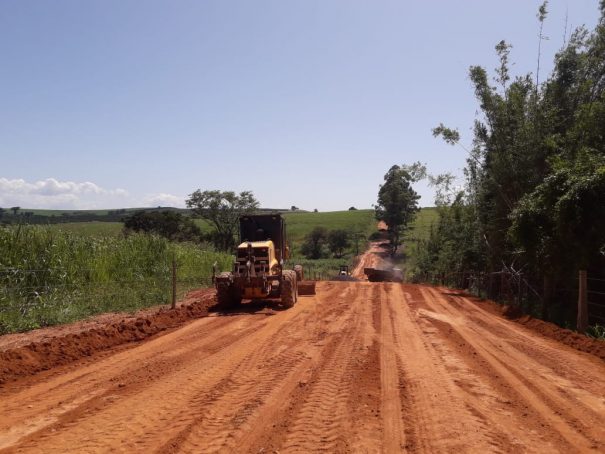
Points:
[(300, 274), (288, 289)]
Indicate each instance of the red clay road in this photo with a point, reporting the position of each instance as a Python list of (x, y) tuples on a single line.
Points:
[(360, 367)]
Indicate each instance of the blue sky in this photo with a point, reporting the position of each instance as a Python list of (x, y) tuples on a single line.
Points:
[(107, 104)]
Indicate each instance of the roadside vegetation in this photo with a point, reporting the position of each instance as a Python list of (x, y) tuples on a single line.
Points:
[(533, 203), (49, 277), (414, 240)]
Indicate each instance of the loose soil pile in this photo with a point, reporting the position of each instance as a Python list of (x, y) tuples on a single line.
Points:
[(51, 352), (568, 337), (571, 338)]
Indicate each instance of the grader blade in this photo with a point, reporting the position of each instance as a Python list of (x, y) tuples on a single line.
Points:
[(306, 288)]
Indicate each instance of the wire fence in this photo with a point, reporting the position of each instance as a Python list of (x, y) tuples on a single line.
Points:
[(595, 292), (32, 298)]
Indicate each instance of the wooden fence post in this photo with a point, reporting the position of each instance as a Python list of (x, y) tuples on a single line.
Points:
[(582, 322), (173, 283)]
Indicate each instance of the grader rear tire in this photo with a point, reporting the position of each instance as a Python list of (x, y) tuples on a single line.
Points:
[(288, 289)]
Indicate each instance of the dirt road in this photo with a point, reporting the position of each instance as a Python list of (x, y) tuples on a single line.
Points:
[(360, 367), (373, 258)]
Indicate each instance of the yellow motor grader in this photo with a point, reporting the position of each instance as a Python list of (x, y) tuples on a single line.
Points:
[(259, 269)]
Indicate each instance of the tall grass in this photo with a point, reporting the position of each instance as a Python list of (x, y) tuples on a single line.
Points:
[(49, 277)]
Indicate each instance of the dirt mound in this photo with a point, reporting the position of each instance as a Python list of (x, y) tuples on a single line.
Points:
[(63, 349), (565, 336), (571, 338)]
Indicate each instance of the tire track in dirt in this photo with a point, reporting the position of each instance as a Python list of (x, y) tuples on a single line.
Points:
[(254, 387), (484, 401), (360, 367), (184, 391), (437, 414), (323, 411), (59, 398), (527, 381), (393, 436), (321, 418)]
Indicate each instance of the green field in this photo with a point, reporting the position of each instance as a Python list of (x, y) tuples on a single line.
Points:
[(94, 228), (299, 224), (58, 213), (421, 227), (414, 237)]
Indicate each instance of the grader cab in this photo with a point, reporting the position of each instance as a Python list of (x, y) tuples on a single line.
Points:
[(259, 270)]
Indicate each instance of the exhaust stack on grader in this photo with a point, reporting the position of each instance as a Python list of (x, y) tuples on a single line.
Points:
[(259, 268)]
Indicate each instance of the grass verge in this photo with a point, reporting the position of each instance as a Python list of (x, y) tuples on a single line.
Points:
[(50, 276)]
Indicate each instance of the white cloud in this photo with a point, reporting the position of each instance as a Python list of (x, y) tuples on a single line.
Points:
[(51, 187), (54, 194), (164, 200)]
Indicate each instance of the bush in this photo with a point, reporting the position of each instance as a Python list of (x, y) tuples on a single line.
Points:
[(315, 241)]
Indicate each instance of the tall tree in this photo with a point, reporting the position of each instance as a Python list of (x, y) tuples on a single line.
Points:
[(338, 241), (222, 209), (397, 203)]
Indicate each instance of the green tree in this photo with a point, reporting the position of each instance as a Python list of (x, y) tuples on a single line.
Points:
[(314, 243), (397, 203), (535, 177), (223, 210), (338, 241)]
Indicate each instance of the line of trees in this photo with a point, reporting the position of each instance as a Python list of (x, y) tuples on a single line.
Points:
[(321, 242), (169, 224), (17, 215), (534, 193)]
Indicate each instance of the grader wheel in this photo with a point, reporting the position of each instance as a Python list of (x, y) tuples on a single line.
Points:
[(288, 288), (300, 273)]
